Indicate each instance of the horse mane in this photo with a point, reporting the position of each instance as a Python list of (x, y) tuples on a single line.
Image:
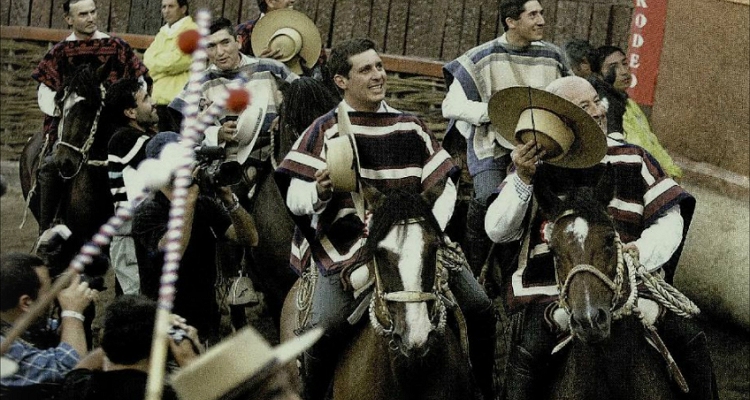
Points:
[(84, 82), (397, 206), (583, 201)]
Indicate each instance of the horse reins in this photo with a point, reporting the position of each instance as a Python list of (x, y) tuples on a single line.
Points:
[(84, 149), (381, 298)]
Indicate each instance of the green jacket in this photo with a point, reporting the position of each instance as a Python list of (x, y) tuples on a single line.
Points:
[(637, 131)]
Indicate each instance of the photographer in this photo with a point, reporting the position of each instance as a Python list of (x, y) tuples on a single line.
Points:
[(205, 220), (119, 369)]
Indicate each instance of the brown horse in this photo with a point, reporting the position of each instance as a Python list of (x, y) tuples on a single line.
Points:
[(404, 350), (608, 356)]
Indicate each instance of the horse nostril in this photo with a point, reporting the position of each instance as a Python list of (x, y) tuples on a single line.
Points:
[(602, 318)]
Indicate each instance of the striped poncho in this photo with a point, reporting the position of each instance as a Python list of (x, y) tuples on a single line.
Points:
[(642, 194), (491, 67), (396, 151)]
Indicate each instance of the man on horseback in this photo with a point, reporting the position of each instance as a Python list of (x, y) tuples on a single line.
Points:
[(133, 115), (651, 213), (85, 45), (396, 151)]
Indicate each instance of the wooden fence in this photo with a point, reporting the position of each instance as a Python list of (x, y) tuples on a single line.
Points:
[(437, 29)]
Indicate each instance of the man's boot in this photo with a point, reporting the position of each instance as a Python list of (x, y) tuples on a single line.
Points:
[(50, 187), (477, 244), (482, 341)]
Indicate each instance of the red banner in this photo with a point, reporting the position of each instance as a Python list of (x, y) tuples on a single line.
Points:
[(644, 48)]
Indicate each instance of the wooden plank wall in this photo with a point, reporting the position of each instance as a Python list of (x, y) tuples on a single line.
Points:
[(436, 29)]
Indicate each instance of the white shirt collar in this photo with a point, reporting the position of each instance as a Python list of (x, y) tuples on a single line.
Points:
[(384, 107), (96, 35)]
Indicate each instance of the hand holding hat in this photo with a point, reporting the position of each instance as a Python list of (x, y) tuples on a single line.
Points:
[(288, 36), (568, 136)]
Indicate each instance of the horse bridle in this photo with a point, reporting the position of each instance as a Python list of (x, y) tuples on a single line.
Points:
[(381, 298), (615, 286), (84, 149)]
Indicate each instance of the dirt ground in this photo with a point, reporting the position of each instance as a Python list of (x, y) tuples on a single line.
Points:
[(730, 346)]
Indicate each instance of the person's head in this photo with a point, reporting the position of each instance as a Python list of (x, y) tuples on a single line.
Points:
[(81, 17), (128, 328), (358, 73), (271, 5), (578, 52), (304, 100), (23, 278), (174, 10), (610, 63), (128, 103), (522, 20), (223, 48), (580, 92)]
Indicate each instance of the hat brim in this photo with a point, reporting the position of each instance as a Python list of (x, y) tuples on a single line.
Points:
[(590, 144), (288, 18), (250, 121)]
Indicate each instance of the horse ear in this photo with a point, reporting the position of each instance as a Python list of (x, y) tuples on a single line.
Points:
[(431, 195), (373, 197), (549, 204), (605, 188)]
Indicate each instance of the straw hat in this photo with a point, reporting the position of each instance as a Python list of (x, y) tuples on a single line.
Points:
[(250, 122), (342, 159), (243, 357), (570, 136), (290, 31)]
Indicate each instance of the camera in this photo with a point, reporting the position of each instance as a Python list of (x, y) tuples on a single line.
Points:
[(213, 169)]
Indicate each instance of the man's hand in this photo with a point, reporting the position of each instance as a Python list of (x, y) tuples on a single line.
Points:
[(189, 348), (269, 52), (227, 132), (77, 296), (323, 184), (526, 157)]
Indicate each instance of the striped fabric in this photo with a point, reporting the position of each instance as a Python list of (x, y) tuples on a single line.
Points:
[(127, 148), (643, 192), (396, 151), (491, 67)]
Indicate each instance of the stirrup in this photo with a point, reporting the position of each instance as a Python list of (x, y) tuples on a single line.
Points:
[(52, 236)]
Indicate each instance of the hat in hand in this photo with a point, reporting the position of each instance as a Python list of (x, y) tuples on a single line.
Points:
[(571, 138), (250, 122), (241, 360), (291, 32)]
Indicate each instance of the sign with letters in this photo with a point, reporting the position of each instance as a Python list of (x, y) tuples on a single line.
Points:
[(644, 48)]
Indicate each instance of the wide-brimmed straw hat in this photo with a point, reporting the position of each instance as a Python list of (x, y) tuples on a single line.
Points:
[(244, 357), (571, 138), (250, 121), (290, 31), (342, 159)]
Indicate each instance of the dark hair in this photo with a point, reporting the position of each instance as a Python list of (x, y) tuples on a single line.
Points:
[(18, 278), (120, 97), (511, 9), (597, 57), (305, 99), (577, 51), (128, 328), (339, 63), (263, 6), (184, 3), (66, 5), (220, 23)]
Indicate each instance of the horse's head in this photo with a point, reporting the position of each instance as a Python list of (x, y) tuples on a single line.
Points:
[(588, 257), (403, 242), (80, 104)]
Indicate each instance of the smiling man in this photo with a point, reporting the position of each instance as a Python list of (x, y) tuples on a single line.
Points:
[(396, 151), (168, 65), (517, 58)]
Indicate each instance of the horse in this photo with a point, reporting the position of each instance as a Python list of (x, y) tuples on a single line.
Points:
[(80, 155), (606, 354), (403, 350)]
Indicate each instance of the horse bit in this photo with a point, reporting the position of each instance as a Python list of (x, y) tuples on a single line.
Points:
[(84, 149)]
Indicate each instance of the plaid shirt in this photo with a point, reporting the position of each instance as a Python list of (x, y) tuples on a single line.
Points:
[(39, 366)]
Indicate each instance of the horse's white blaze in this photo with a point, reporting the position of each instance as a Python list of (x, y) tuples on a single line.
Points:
[(70, 101), (408, 242), (579, 228)]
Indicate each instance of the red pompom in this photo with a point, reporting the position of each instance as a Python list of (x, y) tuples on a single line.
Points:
[(188, 41), (238, 100)]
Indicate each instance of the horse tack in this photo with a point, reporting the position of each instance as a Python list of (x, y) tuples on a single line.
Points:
[(84, 149)]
